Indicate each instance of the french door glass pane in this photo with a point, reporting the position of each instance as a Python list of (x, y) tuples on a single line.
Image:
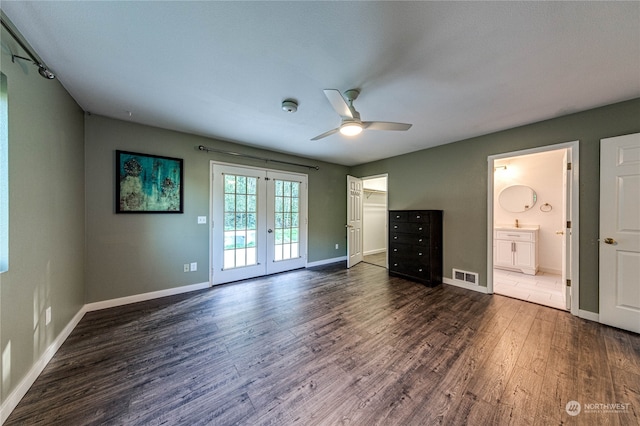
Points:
[(240, 221), (286, 219)]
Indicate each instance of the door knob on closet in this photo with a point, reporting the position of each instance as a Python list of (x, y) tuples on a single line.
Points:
[(559, 232), (609, 241)]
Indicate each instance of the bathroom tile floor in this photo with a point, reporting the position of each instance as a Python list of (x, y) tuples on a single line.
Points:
[(543, 288)]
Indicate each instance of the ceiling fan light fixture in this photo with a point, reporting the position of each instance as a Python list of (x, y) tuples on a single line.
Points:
[(351, 129)]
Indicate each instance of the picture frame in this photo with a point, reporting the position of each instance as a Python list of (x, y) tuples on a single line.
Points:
[(147, 183)]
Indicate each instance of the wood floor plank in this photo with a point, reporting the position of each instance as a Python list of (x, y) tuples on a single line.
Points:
[(535, 352), (330, 345), (519, 401)]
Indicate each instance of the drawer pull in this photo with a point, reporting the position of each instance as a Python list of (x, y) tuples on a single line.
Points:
[(420, 240), (420, 270), (419, 254), (418, 217), (420, 229), (395, 264), (395, 249), (395, 226), (395, 237)]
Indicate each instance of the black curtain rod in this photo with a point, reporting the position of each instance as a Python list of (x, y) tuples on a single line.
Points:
[(43, 70), (17, 39), (237, 154)]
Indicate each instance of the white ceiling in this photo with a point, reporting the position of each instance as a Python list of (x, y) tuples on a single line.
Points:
[(221, 69)]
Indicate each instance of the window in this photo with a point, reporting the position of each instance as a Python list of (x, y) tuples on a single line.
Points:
[(4, 176)]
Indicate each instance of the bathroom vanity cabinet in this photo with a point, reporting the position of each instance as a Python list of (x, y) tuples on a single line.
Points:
[(516, 249), (415, 245)]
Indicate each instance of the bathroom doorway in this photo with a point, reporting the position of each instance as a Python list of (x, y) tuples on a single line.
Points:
[(374, 220), (531, 227)]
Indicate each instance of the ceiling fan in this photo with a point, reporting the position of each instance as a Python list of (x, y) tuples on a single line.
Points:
[(351, 123)]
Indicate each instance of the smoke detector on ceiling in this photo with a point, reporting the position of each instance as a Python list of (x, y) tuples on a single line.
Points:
[(289, 105)]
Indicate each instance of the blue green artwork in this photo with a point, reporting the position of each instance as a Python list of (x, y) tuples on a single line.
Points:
[(148, 183)]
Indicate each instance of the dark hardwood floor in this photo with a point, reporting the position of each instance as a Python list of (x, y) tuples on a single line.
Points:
[(331, 346)]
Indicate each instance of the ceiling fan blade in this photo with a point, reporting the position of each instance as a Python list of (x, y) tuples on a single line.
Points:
[(338, 103), (385, 125), (325, 134)]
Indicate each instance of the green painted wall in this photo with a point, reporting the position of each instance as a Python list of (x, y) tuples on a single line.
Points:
[(133, 254), (453, 178), (46, 216)]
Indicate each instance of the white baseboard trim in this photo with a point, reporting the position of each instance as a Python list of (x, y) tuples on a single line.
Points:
[(588, 315), (326, 261), (11, 402), (376, 251), (96, 306), (464, 284), (550, 271)]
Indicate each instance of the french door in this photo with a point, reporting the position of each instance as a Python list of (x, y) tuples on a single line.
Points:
[(259, 222)]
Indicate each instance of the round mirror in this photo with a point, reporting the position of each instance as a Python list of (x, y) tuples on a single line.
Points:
[(517, 198)]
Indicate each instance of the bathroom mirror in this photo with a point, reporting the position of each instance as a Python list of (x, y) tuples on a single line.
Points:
[(517, 198)]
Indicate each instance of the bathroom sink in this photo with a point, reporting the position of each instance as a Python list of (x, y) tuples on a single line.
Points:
[(519, 228)]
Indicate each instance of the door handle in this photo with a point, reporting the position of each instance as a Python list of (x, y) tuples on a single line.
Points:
[(270, 230), (609, 241), (348, 226), (559, 232)]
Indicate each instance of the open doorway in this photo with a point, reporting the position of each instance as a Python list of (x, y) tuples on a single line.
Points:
[(533, 210), (374, 218)]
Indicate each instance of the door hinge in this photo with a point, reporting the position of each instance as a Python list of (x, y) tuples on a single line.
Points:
[(568, 282), (568, 166), (568, 224)]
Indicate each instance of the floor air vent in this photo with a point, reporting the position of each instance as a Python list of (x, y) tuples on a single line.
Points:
[(467, 277)]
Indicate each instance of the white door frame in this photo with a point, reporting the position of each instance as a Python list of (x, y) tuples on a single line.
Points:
[(304, 225), (386, 213), (574, 218)]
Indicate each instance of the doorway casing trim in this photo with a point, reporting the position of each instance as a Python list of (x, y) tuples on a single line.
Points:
[(573, 147)]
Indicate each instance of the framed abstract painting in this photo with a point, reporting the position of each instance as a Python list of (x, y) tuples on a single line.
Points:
[(148, 183)]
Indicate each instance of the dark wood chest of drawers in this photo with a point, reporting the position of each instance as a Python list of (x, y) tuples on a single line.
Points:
[(415, 245)]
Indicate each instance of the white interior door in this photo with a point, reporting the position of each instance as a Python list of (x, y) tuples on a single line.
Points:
[(566, 231), (620, 232), (259, 222), (354, 221)]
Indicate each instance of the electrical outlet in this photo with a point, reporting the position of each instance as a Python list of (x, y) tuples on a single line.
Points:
[(337, 246), (47, 316), (194, 266), (186, 267), (202, 219)]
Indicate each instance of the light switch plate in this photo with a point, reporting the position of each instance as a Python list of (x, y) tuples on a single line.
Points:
[(202, 219), (194, 266)]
